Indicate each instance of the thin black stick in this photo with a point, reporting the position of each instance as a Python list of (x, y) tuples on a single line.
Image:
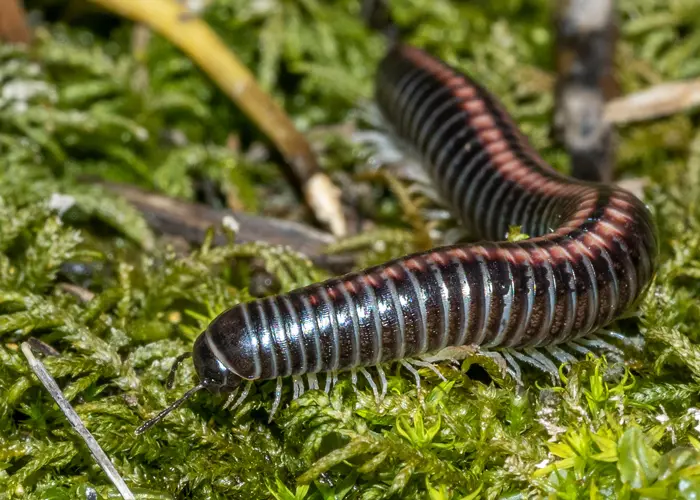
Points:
[(191, 221)]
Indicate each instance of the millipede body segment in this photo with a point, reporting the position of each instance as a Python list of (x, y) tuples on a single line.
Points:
[(591, 252)]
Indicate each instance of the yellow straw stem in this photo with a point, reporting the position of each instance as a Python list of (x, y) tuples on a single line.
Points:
[(195, 38)]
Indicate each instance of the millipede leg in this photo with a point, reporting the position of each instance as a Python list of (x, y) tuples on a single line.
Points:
[(371, 383), (382, 379), (560, 355), (298, 386), (535, 358), (335, 379), (430, 366), (328, 386), (547, 364), (453, 353), (635, 342), (415, 373), (278, 399), (574, 346), (529, 360), (513, 367), (384, 149), (598, 343), (312, 381), (353, 379), (500, 360), (231, 397), (244, 394)]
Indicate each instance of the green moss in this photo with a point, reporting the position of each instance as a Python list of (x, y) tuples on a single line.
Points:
[(72, 106)]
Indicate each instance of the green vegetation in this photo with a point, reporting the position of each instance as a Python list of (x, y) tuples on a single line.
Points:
[(80, 103)]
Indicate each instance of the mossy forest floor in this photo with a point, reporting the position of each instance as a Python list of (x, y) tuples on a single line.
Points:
[(82, 102)]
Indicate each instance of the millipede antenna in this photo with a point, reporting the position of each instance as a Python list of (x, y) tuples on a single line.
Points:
[(150, 423)]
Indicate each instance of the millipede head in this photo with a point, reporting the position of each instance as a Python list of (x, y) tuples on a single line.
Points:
[(213, 375)]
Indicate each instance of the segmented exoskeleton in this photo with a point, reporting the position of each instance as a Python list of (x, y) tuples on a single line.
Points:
[(590, 256)]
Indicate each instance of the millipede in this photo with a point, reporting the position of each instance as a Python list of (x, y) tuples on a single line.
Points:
[(590, 256)]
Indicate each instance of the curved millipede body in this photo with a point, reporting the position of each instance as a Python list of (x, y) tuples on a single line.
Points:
[(591, 253)]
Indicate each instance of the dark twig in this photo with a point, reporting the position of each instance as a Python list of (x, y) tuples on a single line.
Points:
[(191, 221), (585, 44)]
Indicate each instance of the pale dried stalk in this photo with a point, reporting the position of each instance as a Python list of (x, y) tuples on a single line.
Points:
[(655, 102)]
